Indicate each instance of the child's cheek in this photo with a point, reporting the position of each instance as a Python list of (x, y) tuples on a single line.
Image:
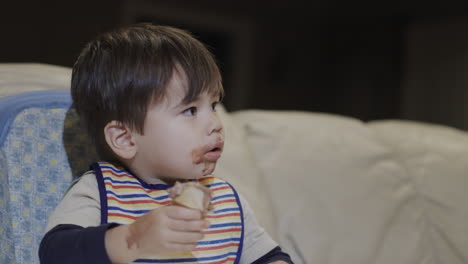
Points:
[(197, 155)]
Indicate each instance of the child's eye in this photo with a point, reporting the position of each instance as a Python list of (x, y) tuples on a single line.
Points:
[(213, 106), (191, 111)]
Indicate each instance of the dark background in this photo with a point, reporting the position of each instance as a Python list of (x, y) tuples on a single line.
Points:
[(353, 58)]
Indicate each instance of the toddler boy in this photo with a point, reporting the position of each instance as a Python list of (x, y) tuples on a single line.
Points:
[(148, 96)]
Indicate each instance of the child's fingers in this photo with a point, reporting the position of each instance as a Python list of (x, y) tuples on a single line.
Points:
[(185, 237), (183, 213), (182, 247), (188, 226)]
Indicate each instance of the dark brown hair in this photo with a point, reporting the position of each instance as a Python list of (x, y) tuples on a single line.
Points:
[(121, 72)]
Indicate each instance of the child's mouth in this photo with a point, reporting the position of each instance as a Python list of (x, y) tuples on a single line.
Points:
[(208, 153), (213, 155)]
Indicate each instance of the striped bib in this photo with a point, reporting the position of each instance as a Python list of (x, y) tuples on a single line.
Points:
[(125, 197)]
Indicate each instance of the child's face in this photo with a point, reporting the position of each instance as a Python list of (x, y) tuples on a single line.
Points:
[(180, 141)]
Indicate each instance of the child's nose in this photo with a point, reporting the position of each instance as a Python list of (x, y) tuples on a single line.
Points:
[(215, 124)]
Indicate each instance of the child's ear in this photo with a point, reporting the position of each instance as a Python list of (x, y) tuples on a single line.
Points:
[(120, 139)]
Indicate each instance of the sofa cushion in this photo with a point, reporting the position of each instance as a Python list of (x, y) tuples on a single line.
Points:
[(340, 194), (42, 148), (435, 158), (18, 78)]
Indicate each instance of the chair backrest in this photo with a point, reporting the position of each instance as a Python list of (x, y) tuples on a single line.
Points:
[(42, 149)]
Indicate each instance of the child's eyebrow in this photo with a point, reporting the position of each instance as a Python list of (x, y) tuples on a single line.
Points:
[(179, 104), (183, 102), (216, 95)]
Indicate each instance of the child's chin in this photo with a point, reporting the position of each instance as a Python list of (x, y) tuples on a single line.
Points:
[(209, 169), (191, 176)]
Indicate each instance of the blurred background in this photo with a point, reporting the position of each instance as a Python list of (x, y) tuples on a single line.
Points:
[(368, 60)]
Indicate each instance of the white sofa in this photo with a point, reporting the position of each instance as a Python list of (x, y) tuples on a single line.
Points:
[(332, 189)]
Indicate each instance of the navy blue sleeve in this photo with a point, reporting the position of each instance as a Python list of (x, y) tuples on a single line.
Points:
[(275, 254), (74, 244)]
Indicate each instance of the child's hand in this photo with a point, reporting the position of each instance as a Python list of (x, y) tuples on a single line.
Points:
[(170, 229), (166, 230)]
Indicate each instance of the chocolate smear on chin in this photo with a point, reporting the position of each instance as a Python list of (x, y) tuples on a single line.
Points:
[(198, 156)]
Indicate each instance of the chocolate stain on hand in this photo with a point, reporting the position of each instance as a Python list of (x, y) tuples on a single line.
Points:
[(136, 230)]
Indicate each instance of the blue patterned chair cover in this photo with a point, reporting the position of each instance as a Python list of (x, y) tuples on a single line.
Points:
[(42, 149)]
